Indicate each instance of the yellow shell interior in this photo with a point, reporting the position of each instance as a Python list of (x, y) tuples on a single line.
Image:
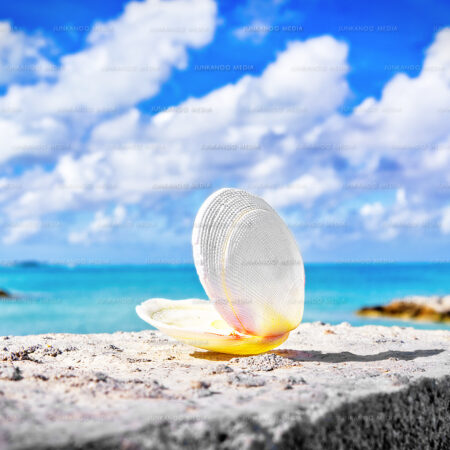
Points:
[(197, 323)]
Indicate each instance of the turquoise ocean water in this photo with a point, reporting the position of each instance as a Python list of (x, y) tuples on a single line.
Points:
[(93, 299)]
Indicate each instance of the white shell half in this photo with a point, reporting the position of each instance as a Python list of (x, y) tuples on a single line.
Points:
[(197, 323), (249, 263)]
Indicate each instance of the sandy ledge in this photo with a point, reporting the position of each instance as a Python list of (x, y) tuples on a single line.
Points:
[(326, 387)]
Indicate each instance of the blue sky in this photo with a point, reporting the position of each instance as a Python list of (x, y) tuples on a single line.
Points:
[(119, 118)]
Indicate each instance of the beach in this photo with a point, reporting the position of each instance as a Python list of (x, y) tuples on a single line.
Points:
[(79, 369), (224, 225), (325, 387)]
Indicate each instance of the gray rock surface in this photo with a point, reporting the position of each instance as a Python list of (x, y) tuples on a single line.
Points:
[(326, 387)]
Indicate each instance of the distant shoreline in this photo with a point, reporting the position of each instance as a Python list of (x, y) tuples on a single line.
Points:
[(188, 262)]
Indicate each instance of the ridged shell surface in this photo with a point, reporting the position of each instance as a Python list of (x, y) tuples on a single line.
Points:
[(249, 263)]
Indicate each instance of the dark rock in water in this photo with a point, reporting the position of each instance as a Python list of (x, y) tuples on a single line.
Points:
[(433, 308), (5, 294)]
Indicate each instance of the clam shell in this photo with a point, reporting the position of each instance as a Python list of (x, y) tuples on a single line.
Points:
[(197, 323), (248, 263)]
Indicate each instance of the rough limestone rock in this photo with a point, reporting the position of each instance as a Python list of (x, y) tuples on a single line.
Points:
[(327, 387)]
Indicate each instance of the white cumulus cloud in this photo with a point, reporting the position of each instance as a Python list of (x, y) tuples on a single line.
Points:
[(279, 134), (127, 59), (21, 57), (100, 226)]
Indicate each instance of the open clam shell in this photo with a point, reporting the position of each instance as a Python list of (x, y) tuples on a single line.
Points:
[(197, 323), (249, 263), (251, 269)]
